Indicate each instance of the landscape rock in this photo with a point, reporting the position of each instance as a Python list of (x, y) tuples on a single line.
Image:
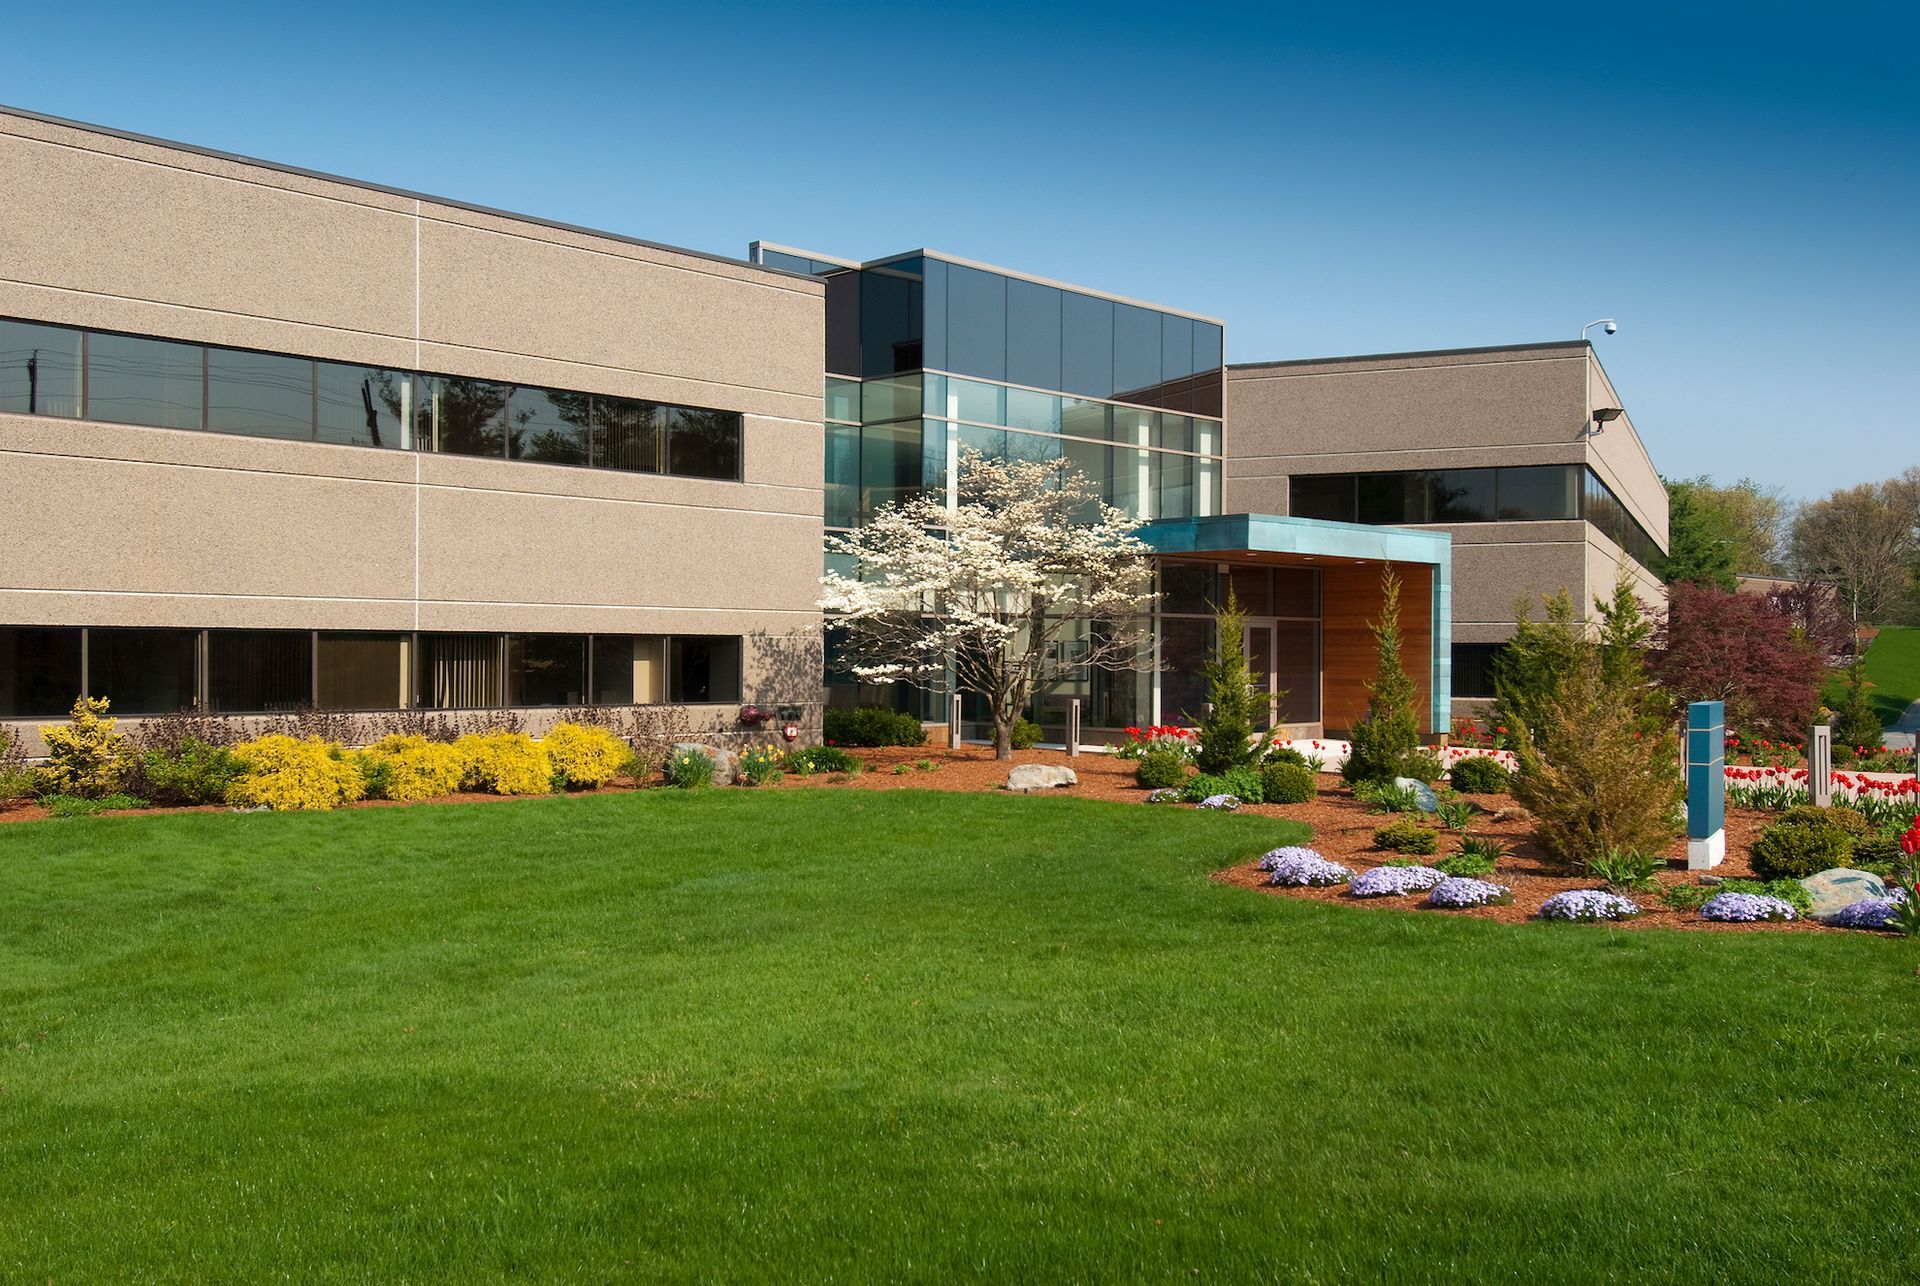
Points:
[(723, 763), (1840, 887), (1423, 793), (1027, 778)]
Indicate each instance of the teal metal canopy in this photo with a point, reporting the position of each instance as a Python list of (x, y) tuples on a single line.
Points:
[(1306, 537)]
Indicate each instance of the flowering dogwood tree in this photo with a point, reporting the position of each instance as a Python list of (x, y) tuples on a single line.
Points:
[(1029, 561)]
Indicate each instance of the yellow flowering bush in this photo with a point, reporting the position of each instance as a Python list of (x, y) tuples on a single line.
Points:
[(408, 767), (86, 757), (589, 757), (504, 763), (290, 774)]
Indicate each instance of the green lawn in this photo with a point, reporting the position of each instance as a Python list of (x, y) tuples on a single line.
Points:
[(838, 1035), (1893, 664)]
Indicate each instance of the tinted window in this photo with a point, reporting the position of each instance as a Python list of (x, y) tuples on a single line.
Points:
[(704, 670), (39, 671), (627, 435), (143, 381), (359, 405), (613, 669), (704, 444), (1136, 350), (1473, 668), (933, 308), (842, 475), (1175, 476), (1176, 347), (1033, 334), (1296, 670), (464, 417), (142, 671), (1462, 495), (39, 369), (1393, 497), (1327, 496), (890, 458), (1087, 419), (976, 322), (1172, 432), (1037, 411), (843, 399), (890, 306), (1187, 587), (259, 394), (548, 426), (1207, 352), (251, 670), (1086, 352), (1539, 494), (546, 669), (360, 671), (1186, 645), (459, 671)]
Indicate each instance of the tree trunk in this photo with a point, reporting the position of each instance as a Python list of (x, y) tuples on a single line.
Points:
[(1002, 737)]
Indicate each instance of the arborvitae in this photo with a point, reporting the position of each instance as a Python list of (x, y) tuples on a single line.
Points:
[(1226, 733)]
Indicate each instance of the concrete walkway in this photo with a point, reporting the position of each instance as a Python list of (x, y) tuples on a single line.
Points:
[(1902, 734)]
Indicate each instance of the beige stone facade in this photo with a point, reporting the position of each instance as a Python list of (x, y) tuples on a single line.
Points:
[(1466, 409), (113, 524)]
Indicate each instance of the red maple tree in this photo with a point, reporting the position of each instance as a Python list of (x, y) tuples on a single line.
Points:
[(1743, 650)]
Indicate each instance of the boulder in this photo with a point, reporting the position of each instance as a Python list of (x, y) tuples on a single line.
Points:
[(722, 760), (1840, 887), (1429, 802), (1028, 778)]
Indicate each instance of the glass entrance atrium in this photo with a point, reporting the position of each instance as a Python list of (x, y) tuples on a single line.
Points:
[(928, 355)]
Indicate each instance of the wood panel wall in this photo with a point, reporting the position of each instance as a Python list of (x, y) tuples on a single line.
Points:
[(1349, 605)]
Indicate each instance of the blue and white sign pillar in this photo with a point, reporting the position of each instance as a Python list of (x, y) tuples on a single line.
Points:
[(1706, 785)]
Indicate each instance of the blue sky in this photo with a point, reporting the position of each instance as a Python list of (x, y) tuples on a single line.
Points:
[(1739, 186)]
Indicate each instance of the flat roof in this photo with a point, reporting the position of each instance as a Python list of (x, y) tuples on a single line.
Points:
[(1305, 538), (407, 193), (944, 257), (1552, 345)]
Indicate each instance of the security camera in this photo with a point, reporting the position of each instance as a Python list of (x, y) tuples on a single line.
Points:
[(1611, 328)]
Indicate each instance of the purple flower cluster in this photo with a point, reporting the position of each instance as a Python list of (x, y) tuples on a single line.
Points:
[(1872, 913), (1745, 908), (1302, 866), (1394, 881), (1588, 904), (1458, 891), (1224, 803)]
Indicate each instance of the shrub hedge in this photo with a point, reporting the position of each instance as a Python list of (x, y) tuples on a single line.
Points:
[(1480, 775), (291, 774), (1407, 836), (1157, 769), (871, 726), (1286, 783)]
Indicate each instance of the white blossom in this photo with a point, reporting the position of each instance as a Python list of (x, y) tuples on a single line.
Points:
[(1029, 557)]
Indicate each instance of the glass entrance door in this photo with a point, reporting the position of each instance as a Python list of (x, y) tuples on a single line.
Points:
[(1258, 640)]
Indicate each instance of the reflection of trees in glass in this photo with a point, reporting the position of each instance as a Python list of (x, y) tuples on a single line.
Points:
[(385, 387), (468, 416), (545, 441)]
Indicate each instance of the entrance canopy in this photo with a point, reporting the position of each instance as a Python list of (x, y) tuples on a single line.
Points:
[(1348, 560)]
